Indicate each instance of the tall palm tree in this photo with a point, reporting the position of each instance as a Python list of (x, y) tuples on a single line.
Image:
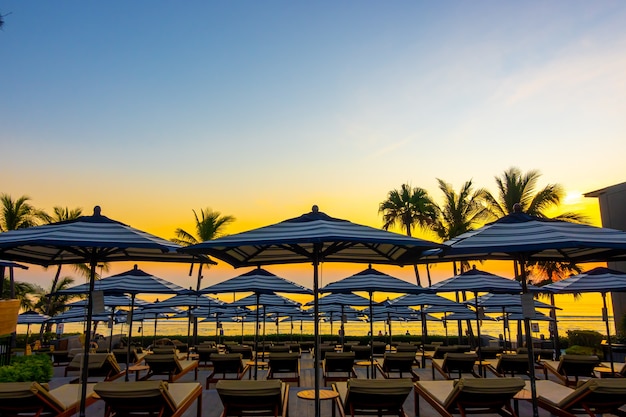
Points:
[(516, 187), (17, 214), (210, 225), (459, 213), (408, 207)]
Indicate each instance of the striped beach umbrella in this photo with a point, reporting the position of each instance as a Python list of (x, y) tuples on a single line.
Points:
[(31, 317), (260, 282), (92, 240), (370, 280), (344, 301), (133, 282), (522, 238), (477, 281), (313, 238), (601, 280)]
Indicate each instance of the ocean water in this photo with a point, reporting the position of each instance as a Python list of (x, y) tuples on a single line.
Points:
[(581, 313)]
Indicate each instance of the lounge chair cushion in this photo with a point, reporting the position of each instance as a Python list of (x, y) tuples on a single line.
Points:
[(615, 386), (58, 399), (241, 388), (136, 391), (484, 386), (380, 387)]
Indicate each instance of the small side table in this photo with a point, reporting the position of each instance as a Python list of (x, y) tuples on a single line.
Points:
[(324, 394), (136, 369), (367, 365), (259, 364)]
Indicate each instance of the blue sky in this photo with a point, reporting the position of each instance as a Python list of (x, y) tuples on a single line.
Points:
[(261, 109)]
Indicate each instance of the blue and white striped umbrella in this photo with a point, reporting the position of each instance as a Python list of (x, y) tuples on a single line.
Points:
[(88, 239), (421, 300), (342, 299), (258, 281), (111, 301), (313, 238), (538, 239), (600, 280), (370, 280), (78, 314), (522, 238)]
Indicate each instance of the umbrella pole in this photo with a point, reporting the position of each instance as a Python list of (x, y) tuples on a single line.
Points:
[(605, 316), (423, 317), (555, 333), (111, 333), (478, 349), (504, 323), (256, 338), (28, 331), (85, 365), (316, 331), (372, 335), (529, 344), (188, 329), (130, 334)]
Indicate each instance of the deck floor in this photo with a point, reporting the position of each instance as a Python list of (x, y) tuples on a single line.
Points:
[(212, 407)]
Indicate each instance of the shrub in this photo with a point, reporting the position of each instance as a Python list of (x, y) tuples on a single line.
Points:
[(582, 350), (587, 338), (27, 368)]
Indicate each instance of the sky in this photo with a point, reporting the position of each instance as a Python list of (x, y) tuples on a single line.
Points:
[(152, 109)]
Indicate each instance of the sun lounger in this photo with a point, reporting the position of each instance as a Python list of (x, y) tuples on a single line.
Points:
[(398, 365), (226, 366), (32, 398), (255, 398), (204, 354), (455, 364), (338, 366), (594, 397), (469, 396), (245, 351), (618, 367), (143, 397), (284, 366), (570, 368), (373, 396), (122, 353), (170, 365), (510, 365), (101, 365)]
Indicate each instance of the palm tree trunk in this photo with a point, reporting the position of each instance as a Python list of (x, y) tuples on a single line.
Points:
[(430, 282), (417, 275)]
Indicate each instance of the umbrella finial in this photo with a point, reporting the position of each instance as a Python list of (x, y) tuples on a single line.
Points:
[(97, 211), (517, 208), (135, 267), (315, 208)]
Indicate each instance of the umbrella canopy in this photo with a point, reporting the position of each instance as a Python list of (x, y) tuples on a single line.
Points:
[(477, 281), (342, 299), (32, 317), (134, 281), (78, 314), (600, 280), (191, 300), (538, 239), (523, 238), (263, 284), (424, 299), (111, 301), (506, 301), (371, 280), (258, 281), (92, 240), (313, 238)]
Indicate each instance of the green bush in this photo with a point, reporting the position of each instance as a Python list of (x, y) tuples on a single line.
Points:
[(587, 338), (27, 368), (583, 350)]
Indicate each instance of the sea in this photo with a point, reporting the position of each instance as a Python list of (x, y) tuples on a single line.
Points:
[(583, 312)]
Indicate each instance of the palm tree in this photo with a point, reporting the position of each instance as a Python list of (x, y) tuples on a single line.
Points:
[(50, 303), (209, 225), (17, 214), (408, 207), (515, 187), (23, 291), (460, 212)]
